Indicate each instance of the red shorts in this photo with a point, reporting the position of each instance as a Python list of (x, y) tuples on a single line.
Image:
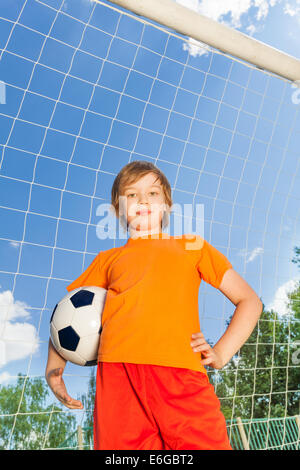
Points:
[(145, 406)]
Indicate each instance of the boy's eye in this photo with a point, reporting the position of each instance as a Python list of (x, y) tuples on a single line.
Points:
[(133, 194)]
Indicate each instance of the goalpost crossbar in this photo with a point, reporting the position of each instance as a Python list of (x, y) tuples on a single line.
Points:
[(219, 36)]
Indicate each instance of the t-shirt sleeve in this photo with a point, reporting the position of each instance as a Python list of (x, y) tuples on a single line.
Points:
[(212, 264), (94, 275)]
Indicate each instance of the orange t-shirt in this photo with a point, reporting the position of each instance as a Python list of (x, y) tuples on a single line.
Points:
[(151, 307)]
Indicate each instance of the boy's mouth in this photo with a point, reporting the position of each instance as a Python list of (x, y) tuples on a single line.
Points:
[(143, 212)]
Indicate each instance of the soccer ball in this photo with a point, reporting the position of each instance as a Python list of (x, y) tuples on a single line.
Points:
[(75, 325)]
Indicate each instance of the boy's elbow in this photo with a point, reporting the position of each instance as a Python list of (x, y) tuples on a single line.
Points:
[(259, 305), (256, 304)]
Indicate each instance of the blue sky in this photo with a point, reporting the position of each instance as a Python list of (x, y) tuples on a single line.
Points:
[(87, 91)]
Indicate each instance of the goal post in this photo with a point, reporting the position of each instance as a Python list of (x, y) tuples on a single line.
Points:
[(228, 40), (149, 80)]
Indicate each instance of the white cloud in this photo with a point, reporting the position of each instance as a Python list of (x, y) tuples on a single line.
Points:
[(280, 302), (251, 29), (234, 9), (18, 339), (14, 244), (251, 255), (4, 377), (216, 9), (262, 8), (254, 253), (292, 9)]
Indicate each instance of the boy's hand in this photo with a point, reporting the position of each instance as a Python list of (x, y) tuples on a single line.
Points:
[(57, 385), (211, 357)]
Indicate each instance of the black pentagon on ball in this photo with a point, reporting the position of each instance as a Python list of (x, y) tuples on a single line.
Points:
[(91, 363), (53, 312), (82, 298), (68, 338)]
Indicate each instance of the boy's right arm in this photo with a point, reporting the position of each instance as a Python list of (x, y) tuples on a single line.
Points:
[(54, 370)]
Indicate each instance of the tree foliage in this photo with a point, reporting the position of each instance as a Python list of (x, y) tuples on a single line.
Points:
[(27, 422), (263, 379), (88, 401)]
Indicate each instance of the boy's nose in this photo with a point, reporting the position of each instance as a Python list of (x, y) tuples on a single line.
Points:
[(143, 208)]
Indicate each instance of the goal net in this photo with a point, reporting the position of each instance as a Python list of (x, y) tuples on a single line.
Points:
[(85, 88)]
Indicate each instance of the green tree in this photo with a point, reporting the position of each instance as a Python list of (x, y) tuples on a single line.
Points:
[(27, 422), (264, 378), (88, 401)]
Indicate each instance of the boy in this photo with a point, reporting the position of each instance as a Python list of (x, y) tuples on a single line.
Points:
[(152, 389)]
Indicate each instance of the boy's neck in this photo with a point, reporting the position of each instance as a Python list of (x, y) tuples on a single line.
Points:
[(144, 233)]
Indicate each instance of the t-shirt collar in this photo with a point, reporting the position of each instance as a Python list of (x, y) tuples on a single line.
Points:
[(150, 236)]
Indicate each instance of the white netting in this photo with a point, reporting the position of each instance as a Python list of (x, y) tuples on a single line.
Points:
[(87, 87)]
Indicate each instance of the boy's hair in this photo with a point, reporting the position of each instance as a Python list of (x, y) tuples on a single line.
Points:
[(131, 173)]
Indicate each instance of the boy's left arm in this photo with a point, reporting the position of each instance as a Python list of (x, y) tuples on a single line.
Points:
[(248, 310)]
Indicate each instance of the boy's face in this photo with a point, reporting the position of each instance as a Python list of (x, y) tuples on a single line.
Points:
[(144, 204)]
